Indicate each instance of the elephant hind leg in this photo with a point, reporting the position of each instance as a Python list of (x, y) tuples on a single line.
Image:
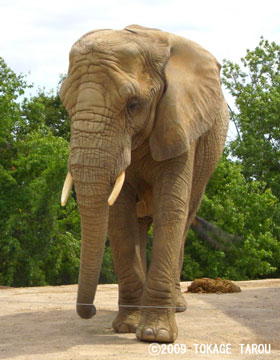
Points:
[(204, 166), (180, 302), (126, 320), (144, 225)]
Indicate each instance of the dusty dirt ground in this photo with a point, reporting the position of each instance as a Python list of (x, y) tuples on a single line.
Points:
[(41, 323)]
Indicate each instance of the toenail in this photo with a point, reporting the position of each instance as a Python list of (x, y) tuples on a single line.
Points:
[(123, 328), (163, 335)]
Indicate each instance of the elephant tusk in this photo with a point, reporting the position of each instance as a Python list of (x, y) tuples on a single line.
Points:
[(117, 188), (68, 183)]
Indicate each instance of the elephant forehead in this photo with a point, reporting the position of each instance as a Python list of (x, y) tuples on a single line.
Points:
[(120, 62), (107, 43)]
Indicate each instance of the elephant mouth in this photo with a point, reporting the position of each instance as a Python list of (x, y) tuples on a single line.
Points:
[(68, 184)]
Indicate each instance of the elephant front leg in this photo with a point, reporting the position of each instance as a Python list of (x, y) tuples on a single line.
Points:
[(159, 296), (125, 243), (171, 197)]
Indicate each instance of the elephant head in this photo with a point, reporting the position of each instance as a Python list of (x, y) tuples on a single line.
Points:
[(125, 88)]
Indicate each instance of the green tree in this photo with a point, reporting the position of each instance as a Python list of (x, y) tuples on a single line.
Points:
[(255, 86), (12, 86), (249, 212), (39, 242), (36, 246), (39, 239), (46, 109)]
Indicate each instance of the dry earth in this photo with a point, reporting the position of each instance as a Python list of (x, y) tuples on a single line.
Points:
[(41, 323)]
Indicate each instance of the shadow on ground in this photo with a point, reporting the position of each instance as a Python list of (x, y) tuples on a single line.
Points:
[(53, 331), (255, 309)]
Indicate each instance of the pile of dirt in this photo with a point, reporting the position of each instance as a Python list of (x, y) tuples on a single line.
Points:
[(214, 286)]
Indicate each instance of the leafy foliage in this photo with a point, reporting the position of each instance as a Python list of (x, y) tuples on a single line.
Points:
[(39, 240), (46, 109), (250, 212), (255, 87), (36, 226)]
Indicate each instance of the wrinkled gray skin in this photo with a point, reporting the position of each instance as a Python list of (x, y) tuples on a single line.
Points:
[(149, 103)]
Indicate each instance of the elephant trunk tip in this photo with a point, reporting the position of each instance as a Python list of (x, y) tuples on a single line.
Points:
[(86, 311)]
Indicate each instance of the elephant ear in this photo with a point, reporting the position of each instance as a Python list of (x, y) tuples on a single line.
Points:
[(191, 100)]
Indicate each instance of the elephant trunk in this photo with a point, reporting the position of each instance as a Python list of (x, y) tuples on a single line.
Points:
[(94, 212), (96, 159), (93, 187), (94, 228)]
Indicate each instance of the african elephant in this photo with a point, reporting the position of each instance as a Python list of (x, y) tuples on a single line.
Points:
[(146, 109)]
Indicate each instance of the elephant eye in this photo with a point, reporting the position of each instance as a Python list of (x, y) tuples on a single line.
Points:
[(133, 106)]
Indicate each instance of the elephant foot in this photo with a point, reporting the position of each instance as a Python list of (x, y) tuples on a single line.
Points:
[(157, 325), (126, 321), (181, 304)]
